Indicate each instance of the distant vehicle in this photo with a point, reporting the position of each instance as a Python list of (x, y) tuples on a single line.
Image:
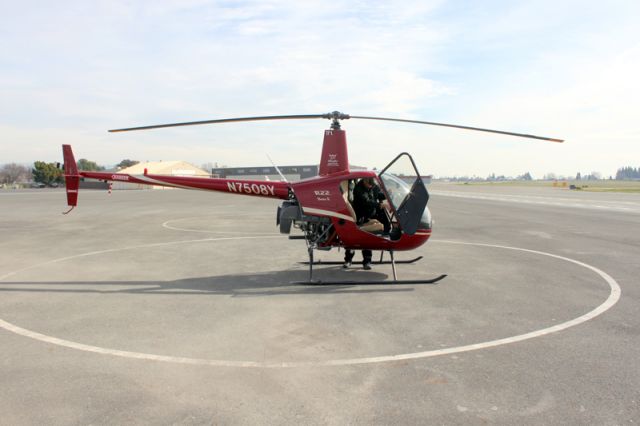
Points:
[(38, 185)]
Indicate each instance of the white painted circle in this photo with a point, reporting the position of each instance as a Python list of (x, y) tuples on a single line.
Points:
[(612, 299), (169, 225)]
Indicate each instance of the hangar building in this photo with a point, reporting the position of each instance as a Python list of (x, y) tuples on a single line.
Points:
[(171, 168), (292, 173)]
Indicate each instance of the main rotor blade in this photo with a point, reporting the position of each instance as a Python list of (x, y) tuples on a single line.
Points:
[(224, 120), (460, 127), (332, 115)]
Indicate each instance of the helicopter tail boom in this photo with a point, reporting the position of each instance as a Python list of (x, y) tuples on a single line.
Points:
[(72, 176), (269, 189)]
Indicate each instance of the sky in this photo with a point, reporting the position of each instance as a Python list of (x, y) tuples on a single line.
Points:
[(71, 70)]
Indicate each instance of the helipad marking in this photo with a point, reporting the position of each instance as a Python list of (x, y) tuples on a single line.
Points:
[(611, 300), (93, 253), (175, 228)]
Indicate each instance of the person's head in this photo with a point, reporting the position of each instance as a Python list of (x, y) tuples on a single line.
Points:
[(367, 182)]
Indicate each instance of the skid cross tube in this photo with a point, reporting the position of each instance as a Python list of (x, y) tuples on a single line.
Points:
[(380, 262), (310, 263), (393, 266)]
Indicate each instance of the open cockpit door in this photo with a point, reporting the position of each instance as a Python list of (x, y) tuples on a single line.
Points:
[(407, 194)]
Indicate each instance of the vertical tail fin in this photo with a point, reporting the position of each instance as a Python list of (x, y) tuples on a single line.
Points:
[(334, 158), (71, 176)]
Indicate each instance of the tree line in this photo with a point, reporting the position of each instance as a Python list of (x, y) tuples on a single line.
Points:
[(628, 173), (52, 174)]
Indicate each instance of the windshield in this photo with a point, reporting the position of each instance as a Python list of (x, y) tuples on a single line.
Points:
[(397, 189)]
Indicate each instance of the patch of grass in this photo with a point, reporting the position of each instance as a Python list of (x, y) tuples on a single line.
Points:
[(607, 185), (603, 189), (625, 186)]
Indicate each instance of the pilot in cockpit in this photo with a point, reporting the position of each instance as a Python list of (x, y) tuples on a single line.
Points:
[(370, 208)]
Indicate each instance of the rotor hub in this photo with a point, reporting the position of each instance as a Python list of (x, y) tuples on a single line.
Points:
[(336, 116)]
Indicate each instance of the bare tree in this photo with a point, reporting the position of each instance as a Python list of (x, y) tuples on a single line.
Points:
[(12, 173)]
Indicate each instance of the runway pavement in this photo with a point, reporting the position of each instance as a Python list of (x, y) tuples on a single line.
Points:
[(178, 307)]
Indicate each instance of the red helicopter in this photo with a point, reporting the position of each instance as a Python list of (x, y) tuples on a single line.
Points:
[(321, 206)]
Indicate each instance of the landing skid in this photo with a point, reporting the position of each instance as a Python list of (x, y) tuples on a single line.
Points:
[(374, 282), (393, 263)]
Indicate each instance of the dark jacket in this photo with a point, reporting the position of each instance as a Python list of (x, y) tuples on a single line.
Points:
[(366, 201)]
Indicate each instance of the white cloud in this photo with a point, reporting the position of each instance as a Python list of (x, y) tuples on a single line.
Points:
[(69, 72)]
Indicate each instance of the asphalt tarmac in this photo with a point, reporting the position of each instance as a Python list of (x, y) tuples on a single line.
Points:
[(177, 307)]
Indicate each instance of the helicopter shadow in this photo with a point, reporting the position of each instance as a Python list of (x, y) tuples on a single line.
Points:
[(236, 285)]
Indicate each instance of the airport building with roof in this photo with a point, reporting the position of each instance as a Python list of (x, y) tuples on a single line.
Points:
[(291, 173), (169, 168)]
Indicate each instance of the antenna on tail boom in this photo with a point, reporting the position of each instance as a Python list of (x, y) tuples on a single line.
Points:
[(277, 169)]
